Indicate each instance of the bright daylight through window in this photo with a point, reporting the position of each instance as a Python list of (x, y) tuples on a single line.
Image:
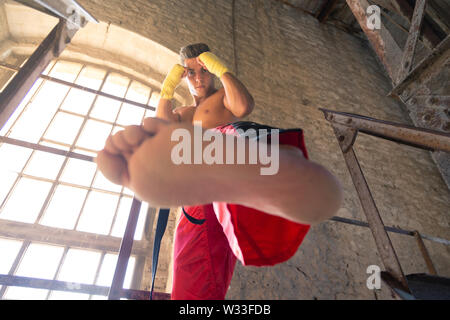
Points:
[(65, 193)]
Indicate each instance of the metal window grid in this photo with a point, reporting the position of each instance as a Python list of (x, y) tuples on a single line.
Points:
[(69, 154)]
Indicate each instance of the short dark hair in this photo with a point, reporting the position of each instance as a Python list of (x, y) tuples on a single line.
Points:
[(192, 51)]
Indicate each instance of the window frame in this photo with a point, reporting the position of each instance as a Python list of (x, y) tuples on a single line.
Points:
[(64, 237)]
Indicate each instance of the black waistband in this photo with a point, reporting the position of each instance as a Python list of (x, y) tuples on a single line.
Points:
[(192, 219)]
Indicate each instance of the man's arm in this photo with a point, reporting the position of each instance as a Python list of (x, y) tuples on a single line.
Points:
[(164, 111), (172, 80), (237, 99)]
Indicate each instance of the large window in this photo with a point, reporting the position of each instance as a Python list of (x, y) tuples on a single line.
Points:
[(63, 195)]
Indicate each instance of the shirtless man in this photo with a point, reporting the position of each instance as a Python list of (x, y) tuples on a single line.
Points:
[(212, 107), (258, 219)]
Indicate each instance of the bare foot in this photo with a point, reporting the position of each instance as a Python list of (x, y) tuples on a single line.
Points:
[(141, 159)]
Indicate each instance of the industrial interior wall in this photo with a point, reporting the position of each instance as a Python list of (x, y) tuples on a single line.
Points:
[(294, 65)]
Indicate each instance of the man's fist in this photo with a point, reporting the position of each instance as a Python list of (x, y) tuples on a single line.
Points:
[(171, 81), (212, 63)]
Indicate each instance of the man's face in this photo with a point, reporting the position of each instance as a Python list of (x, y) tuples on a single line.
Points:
[(199, 79)]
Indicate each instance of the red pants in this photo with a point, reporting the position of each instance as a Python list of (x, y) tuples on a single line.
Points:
[(209, 238)]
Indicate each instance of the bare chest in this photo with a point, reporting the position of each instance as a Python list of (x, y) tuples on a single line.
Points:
[(213, 113)]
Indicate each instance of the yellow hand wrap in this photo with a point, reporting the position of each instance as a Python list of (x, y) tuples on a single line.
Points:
[(213, 64), (171, 81)]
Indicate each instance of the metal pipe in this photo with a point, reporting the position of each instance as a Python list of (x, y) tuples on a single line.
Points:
[(22, 82), (382, 240), (411, 42), (40, 147), (424, 71), (418, 137), (125, 251), (425, 254), (381, 40), (391, 229)]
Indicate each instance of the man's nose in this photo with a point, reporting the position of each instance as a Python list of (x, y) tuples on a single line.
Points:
[(199, 77)]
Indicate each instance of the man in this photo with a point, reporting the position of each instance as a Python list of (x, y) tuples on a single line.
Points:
[(213, 107), (230, 211)]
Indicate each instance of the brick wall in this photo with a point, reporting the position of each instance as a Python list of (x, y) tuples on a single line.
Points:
[(294, 65)]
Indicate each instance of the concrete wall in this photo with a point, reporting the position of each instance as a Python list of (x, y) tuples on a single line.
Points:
[(293, 65)]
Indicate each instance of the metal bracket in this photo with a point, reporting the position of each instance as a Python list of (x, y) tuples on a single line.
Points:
[(63, 37), (50, 48), (411, 42), (417, 137), (70, 10), (345, 135), (346, 130)]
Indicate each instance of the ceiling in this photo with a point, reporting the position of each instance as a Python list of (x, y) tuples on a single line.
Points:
[(397, 12)]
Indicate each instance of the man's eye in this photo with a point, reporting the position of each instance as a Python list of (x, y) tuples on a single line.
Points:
[(191, 73), (204, 70)]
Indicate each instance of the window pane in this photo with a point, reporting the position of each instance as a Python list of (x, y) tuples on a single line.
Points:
[(26, 200), (19, 109), (64, 207), (40, 261), (117, 129), (106, 109), (91, 77), (65, 70), (154, 99), (101, 182), (138, 92), (78, 101), (122, 219), (13, 158), (98, 213), (79, 266), (64, 128), (109, 267), (44, 164), (78, 172), (128, 191), (6, 181), (8, 252), (49, 97), (31, 125), (150, 113), (94, 135), (116, 84), (130, 114), (141, 222)]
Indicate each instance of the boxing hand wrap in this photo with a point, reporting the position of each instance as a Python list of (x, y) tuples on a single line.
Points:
[(171, 81), (213, 64)]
